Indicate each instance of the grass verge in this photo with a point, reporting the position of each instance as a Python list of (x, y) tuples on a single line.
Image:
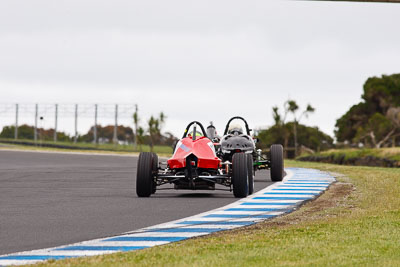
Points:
[(385, 157), (392, 153), (356, 222)]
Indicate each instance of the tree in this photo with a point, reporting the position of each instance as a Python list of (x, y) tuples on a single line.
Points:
[(348, 125), (136, 122), (292, 107), (310, 137), (140, 137), (281, 127), (375, 120), (27, 132), (106, 134), (154, 129), (377, 131)]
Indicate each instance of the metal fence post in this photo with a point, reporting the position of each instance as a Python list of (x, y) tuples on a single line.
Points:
[(95, 125), (55, 123), (16, 122), (136, 120), (115, 137), (76, 123), (36, 117)]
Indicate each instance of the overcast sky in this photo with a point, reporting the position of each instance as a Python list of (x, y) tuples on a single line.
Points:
[(196, 60)]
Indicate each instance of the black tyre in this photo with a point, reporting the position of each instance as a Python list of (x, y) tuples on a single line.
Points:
[(240, 175), (155, 170), (250, 173), (276, 163), (144, 178)]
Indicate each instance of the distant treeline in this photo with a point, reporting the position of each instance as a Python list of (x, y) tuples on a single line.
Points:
[(27, 132), (105, 134), (375, 121), (372, 123), (289, 132), (308, 138)]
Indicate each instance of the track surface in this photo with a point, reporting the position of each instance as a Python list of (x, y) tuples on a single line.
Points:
[(49, 199)]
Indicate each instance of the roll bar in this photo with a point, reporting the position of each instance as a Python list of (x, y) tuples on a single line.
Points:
[(239, 118), (190, 124)]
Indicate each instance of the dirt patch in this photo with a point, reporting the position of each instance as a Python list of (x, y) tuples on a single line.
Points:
[(324, 206), (319, 208)]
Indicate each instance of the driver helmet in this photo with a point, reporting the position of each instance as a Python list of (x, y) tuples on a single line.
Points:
[(235, 127), (211, 132), (198, 134)]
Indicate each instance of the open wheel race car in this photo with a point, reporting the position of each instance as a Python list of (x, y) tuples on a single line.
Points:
[(235, 140), (197, 165)]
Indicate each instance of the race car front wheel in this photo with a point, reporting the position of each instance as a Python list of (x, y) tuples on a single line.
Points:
[(144, 177), (155, 170), (276, 163), (240, 175), (250, 173)]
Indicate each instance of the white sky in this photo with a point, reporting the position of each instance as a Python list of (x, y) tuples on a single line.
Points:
[(195, 60)]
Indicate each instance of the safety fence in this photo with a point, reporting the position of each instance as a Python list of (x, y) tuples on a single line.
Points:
[(38, 112)]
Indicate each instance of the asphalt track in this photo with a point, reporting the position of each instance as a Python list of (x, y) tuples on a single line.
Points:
[(53, 199)]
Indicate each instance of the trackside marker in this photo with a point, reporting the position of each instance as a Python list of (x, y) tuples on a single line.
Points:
[(34, 257), (240, 223), (255, 209), (187, 230), (283, 198), (303, 186), (296, 193), (105, 248), (238, 216), (146, 238), (296, 189), (266, 203)]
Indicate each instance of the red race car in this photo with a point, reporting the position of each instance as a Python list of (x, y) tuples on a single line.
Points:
[(194, 166)]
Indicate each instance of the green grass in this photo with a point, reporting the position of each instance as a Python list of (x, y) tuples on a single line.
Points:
[(86, 147), (385, 157), (357, 228), (392, 153)]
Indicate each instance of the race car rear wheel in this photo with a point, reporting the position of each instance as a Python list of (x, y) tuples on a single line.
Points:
[(144, 177), (276, 163), (250, 173), (240, 175)]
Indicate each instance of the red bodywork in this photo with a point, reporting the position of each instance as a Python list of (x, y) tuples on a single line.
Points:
[(202, 148)]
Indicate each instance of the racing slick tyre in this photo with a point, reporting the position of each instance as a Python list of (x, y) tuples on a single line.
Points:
[(250, 173), (155, 170), (240, 179), (144, 177), (276, 163)]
